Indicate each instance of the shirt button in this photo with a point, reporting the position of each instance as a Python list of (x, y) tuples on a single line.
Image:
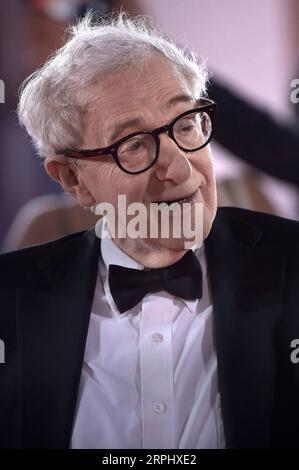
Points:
[(159, 408), (157, 338)]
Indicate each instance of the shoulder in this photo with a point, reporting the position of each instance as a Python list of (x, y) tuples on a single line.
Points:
[(273, 227), (269, 233), (19, 265)]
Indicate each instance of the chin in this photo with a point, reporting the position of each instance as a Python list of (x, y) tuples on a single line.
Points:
[(193, 236), (177, 244)]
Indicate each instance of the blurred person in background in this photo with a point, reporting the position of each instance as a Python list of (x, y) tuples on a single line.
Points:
[(255, 136)]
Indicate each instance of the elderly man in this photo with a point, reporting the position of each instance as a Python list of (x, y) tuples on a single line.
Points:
[(138, 341)]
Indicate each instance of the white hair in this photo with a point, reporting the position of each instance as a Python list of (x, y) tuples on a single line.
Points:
[(54, 99)]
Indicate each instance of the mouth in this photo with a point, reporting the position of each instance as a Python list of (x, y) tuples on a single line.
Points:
[(184, 199)]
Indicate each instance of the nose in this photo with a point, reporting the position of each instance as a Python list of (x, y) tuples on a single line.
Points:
[(172, 163)]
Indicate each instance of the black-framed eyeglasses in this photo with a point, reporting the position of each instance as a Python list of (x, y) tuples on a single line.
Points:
[(137, 152)]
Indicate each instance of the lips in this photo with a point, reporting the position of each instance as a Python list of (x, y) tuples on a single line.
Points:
[(181, 200)]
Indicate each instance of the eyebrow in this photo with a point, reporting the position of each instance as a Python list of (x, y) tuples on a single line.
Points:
[(120, 127), (180, 99), (138, 122)]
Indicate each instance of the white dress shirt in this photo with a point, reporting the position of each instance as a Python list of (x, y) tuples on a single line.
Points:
[(149, 378)]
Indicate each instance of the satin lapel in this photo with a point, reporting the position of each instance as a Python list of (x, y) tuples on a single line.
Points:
[(246, 284), (52, 334)]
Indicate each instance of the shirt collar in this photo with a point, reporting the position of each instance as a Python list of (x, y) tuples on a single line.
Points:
[(112, 254)]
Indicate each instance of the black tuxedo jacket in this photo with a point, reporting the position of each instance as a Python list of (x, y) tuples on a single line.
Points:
[(46, 293)]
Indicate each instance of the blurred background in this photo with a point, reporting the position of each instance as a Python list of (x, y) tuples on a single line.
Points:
[(251, 49)]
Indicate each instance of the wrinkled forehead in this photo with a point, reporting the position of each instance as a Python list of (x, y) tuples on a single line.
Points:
[(156, 80), (133, 90), (145, 97)]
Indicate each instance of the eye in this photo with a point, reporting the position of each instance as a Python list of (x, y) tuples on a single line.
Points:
[(134, 145), (186, 125), (130, 146)]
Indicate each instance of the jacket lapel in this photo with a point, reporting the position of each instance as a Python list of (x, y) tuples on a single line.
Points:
[(52, 337), (246, 283)]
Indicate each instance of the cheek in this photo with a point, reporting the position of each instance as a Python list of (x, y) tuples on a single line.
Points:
[(208, 169), (102, 180), (106, 182), (205, 167), (207, 162), (202, 161)]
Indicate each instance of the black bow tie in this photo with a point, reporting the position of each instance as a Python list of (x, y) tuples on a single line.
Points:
[(182, 279)]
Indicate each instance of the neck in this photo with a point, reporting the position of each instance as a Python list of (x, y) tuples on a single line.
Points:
[(149, 254)]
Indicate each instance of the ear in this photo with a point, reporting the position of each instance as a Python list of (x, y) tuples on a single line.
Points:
[(65, 173)]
